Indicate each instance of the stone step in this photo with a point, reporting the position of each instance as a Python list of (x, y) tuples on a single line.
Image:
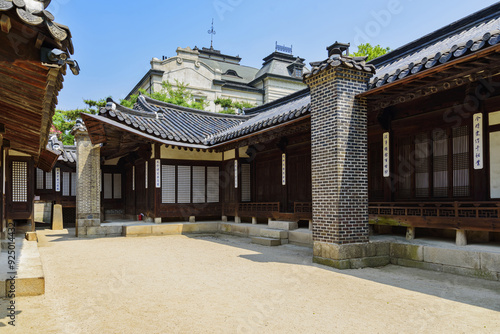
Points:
[(30, 280), (283, 225), (266, 241), (273, 233), (301, 236)]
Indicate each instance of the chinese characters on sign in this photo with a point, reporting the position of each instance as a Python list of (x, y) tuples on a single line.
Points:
[(283, 169), (58, 179), (386, 154), (236, 173), (158, 173), (146, 175), (478, 141)]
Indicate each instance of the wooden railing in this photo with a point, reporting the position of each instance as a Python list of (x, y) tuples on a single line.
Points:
[(303, 210), (261, 210), (302, 207), (466, 215)]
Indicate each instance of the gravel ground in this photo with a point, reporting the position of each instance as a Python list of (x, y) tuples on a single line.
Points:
[(224, 284)]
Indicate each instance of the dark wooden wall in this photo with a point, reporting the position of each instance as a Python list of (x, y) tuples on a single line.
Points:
[(267, 173), (440, 112)]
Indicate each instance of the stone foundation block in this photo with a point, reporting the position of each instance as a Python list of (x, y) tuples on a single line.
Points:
[(283, 225), (406, 251), (95, 230), (301, 237), (461, 238), (452, 257), (166, 229), (352, 256), (3, 289), (88, 222), (31, 236), (137, 230), (81, 231), (351, 251), (199, 228), (30, 286), (266, 241), (490, 262), (272, 233)]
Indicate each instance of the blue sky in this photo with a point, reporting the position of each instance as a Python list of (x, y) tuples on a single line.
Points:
[(116, 40)]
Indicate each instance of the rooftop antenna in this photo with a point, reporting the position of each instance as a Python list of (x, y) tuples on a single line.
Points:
[(212, 32)]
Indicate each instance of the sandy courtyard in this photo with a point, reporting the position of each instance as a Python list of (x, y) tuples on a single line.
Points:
[(223, 284)]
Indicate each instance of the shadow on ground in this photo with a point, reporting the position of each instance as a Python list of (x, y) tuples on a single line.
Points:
[(467, 290)]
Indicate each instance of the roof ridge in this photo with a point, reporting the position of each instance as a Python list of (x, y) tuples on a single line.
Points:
[(464, 23), (278, 102), (162, 104)]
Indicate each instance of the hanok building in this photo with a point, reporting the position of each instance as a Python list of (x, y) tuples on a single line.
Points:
[(409, 141), (34, 53), (57, 187), (212, 74)]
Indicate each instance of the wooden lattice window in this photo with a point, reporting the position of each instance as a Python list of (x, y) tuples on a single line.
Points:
[(440, 164), (422, 160), (19, 181), (39, 179), (48, 180), (461, 162), (199, 184), (65, 183), (183, 184), (375, 177), (434, 164), (404, 172), (112, 186), (168, 184), (245, 183), (117, 186), (108, 185), (73, 184), (212, 184)]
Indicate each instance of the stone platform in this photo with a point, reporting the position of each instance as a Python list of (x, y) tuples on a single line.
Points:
[(30, 279)]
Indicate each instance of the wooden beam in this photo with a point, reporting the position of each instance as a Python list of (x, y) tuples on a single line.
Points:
[(426, 73)]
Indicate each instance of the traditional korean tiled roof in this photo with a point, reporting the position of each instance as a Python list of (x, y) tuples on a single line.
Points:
[(175, 124), (336, 60), (66, 153), (459, 39), (266, 116), (34, 12), (171, 122)]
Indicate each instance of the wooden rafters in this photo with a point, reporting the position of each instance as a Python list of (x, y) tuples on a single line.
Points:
[(482, 65)]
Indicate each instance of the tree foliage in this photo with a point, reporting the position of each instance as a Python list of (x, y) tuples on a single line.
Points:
[(230, 107), (371, 51), (64, 120), (178, 95)]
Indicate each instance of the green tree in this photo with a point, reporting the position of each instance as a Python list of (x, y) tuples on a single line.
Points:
[(64, 120), (230, 107), (371, 51), (179, 95)]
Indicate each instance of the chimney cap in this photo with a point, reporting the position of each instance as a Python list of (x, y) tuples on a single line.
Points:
[(338, 48)]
